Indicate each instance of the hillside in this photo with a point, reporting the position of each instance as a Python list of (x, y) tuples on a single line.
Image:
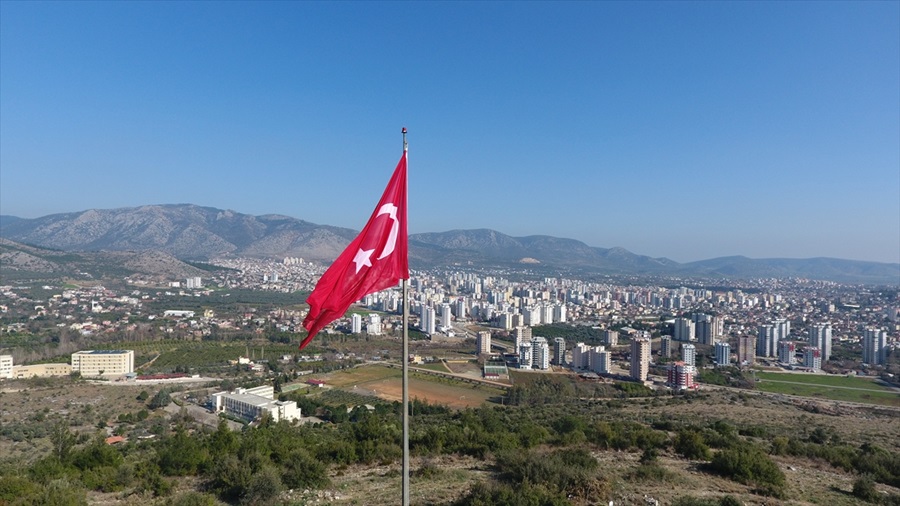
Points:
[(191, 232)]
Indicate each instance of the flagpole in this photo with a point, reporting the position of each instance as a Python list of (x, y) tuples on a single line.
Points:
[(405, 370)]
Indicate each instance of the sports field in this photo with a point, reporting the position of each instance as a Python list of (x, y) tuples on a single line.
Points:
[(836, 388), (385, 382)]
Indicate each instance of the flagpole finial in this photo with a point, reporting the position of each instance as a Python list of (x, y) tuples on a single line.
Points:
[(405, 147)]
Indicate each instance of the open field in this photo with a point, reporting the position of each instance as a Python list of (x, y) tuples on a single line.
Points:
[(836, 388), (386, 383)]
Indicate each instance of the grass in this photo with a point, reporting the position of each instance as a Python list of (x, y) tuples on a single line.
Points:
[(834, 388)]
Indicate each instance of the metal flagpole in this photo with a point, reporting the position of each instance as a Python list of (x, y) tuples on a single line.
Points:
[(405, 367)]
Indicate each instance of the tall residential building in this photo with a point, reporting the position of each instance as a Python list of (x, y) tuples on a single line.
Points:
[(665, 346), (746, 355), (546, 314), (708, 328), (428, 320), (723, 354), (446, 317), (559, 351), (559, 313), (640, 358), (483, 341), (525, 356), (812, 358), (373, 324), (461, 308), (194, 282), (532, 316), (874, 346), (523, 335), (766, 342), (601, 360), (609, 337), (786, 351), (689, 354), (540, 353), (680, 375), (820, 337), (581, 356), (356, 323), (684, 329), (782, 330)]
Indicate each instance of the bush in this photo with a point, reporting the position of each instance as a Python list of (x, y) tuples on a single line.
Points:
[(864, 488), (749, 465), (690, 445)]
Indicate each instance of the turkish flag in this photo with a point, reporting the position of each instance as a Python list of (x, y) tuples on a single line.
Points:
[(375, 260)]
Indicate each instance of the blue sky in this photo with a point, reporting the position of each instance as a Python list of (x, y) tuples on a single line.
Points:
[(677, 129)]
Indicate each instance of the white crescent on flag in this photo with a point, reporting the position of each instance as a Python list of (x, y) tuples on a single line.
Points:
[(390, 210)]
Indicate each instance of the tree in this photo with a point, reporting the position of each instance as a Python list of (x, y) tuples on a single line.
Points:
[(160, 400), (62, 440)]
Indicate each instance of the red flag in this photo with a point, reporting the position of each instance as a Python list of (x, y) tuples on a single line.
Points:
[(375, 260)]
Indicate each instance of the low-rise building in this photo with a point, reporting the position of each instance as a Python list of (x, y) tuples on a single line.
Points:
[(40, 370), (252, 403)]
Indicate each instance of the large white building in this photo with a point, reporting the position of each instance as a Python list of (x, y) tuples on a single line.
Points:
[(6, 366), (252, 403), (103, 362), (356, 323), (786, 351)]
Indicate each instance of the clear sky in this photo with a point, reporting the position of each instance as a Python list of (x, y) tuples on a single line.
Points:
[(677, 129)]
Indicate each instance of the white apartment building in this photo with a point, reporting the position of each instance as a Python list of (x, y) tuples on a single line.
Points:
[(356, 323), (103, 362), (601, 360), (581, 356), (373, 324), (689, 354), (684, 329), (559, 351), (252, 403)]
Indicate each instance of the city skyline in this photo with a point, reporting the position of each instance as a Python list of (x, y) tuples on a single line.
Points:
[(688, 131)]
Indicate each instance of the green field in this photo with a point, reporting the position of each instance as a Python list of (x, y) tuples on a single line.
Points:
[(835, 388)]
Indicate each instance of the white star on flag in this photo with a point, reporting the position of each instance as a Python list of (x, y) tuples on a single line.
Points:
[(363, 257)]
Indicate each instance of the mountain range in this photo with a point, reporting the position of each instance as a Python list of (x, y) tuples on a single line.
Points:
[(190, 232)]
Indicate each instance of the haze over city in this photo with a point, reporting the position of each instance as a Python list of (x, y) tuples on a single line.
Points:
[(684, 130)]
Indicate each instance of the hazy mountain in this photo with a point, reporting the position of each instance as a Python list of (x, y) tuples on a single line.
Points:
[(20, 260), (192, 232)]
